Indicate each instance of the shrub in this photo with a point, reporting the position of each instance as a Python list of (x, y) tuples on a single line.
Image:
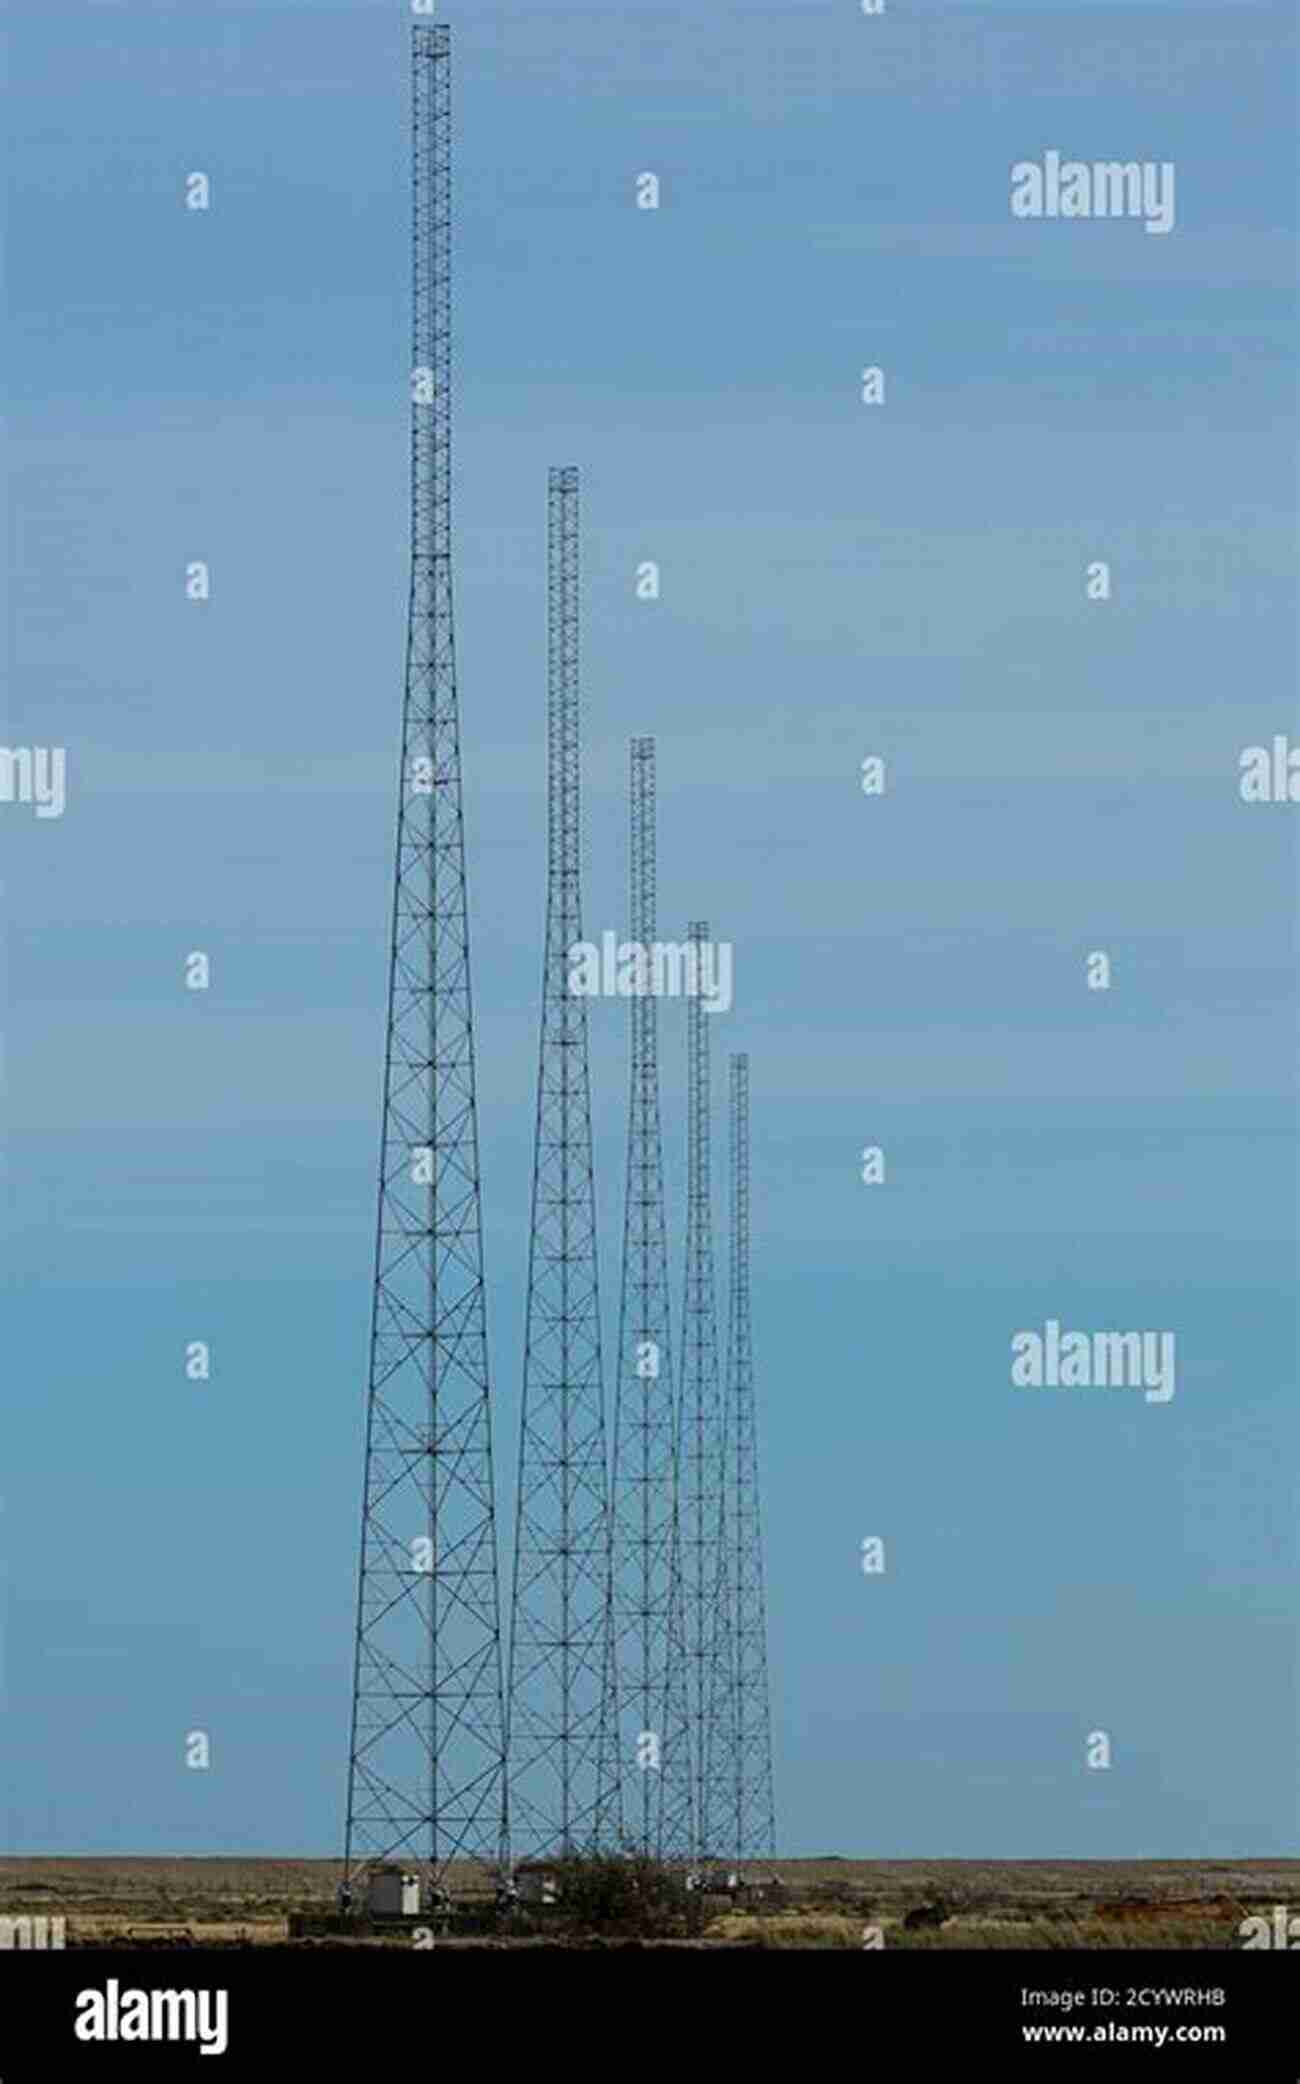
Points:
[(626, 1895)]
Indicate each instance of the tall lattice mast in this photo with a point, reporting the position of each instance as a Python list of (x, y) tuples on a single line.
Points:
[(705, 1559), (753, 1818), (426, 1776), (654, 1733), (562, 1721)]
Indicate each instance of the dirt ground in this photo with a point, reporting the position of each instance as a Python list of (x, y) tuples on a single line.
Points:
[(822, 1903)]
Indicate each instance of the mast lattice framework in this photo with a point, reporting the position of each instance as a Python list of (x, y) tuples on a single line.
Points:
[(564, 1793), (426, 1779), (752, 1820), (707, 1631), (654, 1736)]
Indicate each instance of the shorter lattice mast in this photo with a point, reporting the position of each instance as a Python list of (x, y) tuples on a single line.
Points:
[(654, 1735), (753, 1817), (704, 1549), (562, 1722)]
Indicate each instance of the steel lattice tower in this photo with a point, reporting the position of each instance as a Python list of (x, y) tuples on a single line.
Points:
[(562, 1720), (654, 1736), (753, 1817), (702, 1450), (426, 1778)]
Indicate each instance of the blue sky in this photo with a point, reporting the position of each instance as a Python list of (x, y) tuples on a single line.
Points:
[(837, 581)]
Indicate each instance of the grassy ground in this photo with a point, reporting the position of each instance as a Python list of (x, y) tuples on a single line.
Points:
[(825, 1903)]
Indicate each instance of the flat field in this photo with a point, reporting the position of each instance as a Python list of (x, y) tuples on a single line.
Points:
[(822, 1902)]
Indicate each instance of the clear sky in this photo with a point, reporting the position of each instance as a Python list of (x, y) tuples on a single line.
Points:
[(838, 580)]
